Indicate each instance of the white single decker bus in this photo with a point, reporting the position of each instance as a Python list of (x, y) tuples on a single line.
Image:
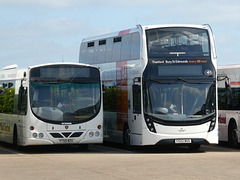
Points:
[(57, 103), (229, 104), (159, 84)]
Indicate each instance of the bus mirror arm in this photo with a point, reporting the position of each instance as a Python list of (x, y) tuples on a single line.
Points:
[(103, 89), (227, 86)]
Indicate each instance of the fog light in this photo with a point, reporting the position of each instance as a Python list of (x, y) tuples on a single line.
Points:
[(91, 134), (97, 133), (34, 135), (41, 135)]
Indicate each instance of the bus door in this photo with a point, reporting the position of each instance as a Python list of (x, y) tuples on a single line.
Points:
[(135, 123), (22, 98)]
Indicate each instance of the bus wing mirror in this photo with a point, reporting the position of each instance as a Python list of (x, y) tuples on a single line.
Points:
[(227, 86), (1, 92), (21, 90), (103, 88)]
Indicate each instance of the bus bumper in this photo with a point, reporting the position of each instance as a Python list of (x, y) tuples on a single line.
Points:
[(171, 136), (57, 137)]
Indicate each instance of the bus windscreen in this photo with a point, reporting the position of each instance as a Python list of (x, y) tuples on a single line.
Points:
[(177, 42)]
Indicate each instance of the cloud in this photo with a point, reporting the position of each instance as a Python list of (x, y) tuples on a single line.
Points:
[(63, 3), (195, 12), (216, 11), (46, 29), (95, 3), (41, 4), (55, 27)]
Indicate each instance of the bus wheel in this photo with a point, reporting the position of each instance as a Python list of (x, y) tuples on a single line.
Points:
[(126, 138), (15, 138), (194, 147), (232, 135)]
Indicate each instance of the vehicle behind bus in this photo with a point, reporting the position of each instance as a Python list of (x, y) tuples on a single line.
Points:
[(229, 104), (58, 103)]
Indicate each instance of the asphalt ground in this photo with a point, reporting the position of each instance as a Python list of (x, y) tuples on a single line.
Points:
[(111, 161)]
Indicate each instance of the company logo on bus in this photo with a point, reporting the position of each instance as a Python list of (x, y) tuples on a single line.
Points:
[(182, 130), (222, 120), (208, 72)]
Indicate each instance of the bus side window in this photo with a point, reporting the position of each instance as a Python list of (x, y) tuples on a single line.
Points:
[(136, 99), (22, 100)]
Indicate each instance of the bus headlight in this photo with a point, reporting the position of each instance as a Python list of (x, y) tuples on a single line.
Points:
[(91, 134), (34, 135), (150, 125), (97, 133), (41, 135), (212, 124)]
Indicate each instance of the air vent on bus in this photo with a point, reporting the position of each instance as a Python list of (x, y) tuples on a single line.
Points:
[(66, 134), (76, 134), (56, 135)]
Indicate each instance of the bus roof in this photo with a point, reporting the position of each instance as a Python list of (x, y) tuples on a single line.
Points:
[(138, 28), (14, 73), (113, 34), (231, 66), (62, 63), (174, 25)]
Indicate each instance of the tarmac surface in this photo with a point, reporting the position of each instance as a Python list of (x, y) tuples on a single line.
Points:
[(111, 161)]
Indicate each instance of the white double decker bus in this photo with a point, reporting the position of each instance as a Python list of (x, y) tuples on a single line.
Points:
[(159, 84), (229, 104), (57, 103)]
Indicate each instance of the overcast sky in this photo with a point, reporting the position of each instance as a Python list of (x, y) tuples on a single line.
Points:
[(43, 31)]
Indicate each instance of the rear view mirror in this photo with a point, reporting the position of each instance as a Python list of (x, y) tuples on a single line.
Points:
[(1, 92)]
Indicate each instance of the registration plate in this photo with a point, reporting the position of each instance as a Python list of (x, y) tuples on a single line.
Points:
[(66, 140), (183, 141)]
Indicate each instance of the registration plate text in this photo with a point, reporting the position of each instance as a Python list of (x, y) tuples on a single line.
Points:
[(183, 141), (66, 140)]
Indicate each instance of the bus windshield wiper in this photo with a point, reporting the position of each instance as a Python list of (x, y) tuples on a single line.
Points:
[(191, 82), (160, 82), (50, 81), (83, 80), (169, 81)]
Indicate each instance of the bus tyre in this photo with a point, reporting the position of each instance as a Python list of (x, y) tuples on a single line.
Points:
[(232, 135), (194, 147), (15, 138), (126, 138)]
